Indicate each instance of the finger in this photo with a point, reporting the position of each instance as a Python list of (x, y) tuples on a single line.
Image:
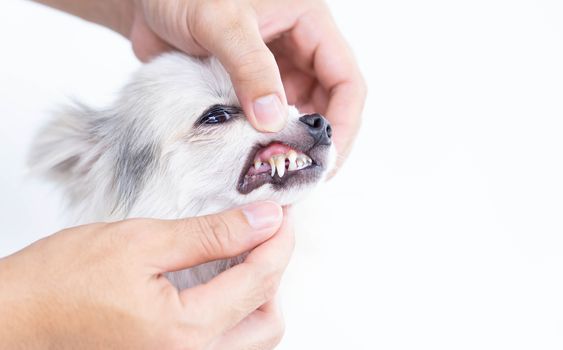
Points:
[(234, 294), (262, 329), (178, 244), (230, 31), (344, 112), (318, 47), (146, 44)]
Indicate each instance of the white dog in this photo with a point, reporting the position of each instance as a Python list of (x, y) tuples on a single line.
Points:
[(176, 144)]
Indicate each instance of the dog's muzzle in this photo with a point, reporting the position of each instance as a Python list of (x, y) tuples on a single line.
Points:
[(287, 163)]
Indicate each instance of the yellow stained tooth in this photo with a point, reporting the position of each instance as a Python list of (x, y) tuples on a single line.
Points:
[(280, 165), (273, 166)]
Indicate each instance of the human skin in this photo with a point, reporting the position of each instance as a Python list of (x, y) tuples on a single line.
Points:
[(275, 52), (101, 286)]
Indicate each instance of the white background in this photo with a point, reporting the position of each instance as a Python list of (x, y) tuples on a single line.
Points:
[(445, 228)]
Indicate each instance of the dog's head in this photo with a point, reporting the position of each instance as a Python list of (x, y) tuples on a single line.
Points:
[(177, 143)]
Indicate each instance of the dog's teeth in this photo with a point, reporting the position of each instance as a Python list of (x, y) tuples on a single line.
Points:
[(299, 162), (292, 166), (292, 157), (280, 165), (257, 164), (272, 166)]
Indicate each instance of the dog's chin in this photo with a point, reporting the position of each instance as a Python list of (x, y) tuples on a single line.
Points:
[(284, 166)]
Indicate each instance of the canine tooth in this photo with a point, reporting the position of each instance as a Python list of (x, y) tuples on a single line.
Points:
[(273, 166), (292, 157), (257, 164), (280, 164), (300, 163)]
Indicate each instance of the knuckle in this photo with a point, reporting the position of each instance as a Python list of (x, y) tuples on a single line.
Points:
[(208, 14), (254, 64), (269, 283), (215, 235), (118, 234), (127, 233), (128, 226)]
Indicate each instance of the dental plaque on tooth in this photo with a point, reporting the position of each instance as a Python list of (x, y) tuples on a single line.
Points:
[(279, 163)]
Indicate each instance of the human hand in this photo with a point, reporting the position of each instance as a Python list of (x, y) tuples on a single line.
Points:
[(101, 286), (318, 70)]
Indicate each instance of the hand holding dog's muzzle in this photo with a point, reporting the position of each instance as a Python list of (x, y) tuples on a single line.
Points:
[(276, 52), (103, 285)]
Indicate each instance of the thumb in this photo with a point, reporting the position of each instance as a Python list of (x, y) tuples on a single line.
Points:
[(178, 244), (230, 31)]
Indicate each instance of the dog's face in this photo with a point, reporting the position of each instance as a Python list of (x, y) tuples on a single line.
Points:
[(177, 144)]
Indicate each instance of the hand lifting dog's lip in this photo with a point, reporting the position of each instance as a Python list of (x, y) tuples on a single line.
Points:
[(298, 158), (177, 144)]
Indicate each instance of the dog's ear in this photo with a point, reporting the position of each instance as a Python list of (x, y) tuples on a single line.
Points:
[(96, 153), (67, 148)]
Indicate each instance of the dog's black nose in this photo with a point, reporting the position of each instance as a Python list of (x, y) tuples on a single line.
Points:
[(318, 127)]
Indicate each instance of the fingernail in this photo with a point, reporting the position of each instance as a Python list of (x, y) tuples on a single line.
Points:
[(270, 114), (263, 215)]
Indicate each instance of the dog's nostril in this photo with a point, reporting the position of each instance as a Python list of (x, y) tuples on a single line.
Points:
[(314, 121), (329, 131), (318, 127), (318, 123)]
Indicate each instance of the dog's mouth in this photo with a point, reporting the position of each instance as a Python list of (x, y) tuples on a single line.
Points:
[(279, 164)]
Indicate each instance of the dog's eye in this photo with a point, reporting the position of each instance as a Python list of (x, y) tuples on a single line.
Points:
[(216, 118), (218, 114)]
